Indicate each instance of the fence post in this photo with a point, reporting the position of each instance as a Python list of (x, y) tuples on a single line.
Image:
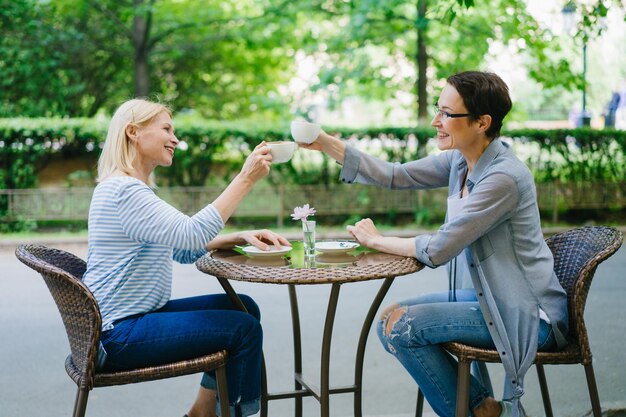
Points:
[(420, 200), (555, 202), (10, 203), (281, 205)]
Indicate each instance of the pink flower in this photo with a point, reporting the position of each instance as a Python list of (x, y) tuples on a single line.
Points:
[(301, 213)]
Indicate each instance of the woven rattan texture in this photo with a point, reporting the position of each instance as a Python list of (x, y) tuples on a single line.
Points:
[(77, 306), (79, 310), (283, 275), (577, 254), (192, 366)]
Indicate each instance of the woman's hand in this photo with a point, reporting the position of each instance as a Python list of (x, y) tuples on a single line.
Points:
[(259, 238), (316, 145), (330, 145), (263, 238), (257, 164), (365, 233)]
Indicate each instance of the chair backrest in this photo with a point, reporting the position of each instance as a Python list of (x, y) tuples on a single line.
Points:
[(577, 254), (79, 310)]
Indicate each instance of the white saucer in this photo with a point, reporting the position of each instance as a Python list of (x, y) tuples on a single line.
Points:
[(336, 247), (253, 251)]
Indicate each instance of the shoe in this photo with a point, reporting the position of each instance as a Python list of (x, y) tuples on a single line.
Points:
[(507, 409)]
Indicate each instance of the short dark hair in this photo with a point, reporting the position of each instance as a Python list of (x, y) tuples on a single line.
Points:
[(483, 93)]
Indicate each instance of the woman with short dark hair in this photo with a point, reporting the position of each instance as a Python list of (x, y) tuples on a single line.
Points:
[(503, 292)]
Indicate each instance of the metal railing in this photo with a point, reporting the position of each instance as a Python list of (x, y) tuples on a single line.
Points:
[(359, 200)]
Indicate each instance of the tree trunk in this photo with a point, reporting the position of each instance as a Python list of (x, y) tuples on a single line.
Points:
[(422, 62), (141, 31)]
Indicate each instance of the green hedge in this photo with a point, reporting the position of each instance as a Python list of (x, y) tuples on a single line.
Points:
[(581, 155), (27, 144)]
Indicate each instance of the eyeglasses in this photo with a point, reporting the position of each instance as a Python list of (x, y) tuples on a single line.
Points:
[(445, 115)]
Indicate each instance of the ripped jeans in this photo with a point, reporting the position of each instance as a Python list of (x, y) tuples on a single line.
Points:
[(426, 322)]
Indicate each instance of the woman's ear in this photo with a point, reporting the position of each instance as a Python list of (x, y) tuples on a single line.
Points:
[(484, 122), (132, 131)]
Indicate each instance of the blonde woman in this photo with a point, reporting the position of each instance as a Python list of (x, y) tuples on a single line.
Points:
[(134, 237)]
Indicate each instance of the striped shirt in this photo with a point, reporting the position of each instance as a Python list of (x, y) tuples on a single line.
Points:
[(133, 238)]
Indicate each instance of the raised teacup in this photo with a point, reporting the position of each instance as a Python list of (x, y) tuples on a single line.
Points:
[(305, 132), (281, 151)]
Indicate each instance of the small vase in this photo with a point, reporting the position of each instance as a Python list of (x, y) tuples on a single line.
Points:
[(308, 232)]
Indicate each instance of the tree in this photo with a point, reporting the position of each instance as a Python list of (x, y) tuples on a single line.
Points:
[(370, 44), (229, 58), (30, 51), (223, 58)]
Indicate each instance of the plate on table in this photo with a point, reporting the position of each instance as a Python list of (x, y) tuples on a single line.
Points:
[(335, 247), (274, 251)]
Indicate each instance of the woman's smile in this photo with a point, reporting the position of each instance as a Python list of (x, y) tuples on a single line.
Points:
[(444, 140), (442, 135)]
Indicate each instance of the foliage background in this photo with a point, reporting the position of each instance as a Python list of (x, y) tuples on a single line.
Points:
[(236, 71), (229, 59), (212, 152)]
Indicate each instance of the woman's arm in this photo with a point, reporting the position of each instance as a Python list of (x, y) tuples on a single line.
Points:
[(259, 238), (365, 232), (360, 167), (330, 145), (493, 200), (147, 218), (257, 166)]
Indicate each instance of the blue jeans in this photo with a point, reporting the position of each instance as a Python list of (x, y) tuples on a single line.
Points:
[(430, 320), (191, 327)]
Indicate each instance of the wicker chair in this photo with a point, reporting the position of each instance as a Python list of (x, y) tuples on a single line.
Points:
[(79, 310), (577, 254)]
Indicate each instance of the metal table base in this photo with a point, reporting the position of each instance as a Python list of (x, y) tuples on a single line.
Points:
[(301, 387)]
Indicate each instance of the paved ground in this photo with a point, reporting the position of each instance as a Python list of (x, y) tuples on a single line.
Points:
[(33, 347)]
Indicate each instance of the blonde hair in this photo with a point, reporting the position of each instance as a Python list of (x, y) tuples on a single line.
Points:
[(119, 152)]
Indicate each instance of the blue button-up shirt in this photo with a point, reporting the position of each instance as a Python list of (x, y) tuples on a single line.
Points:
[(499, 232)]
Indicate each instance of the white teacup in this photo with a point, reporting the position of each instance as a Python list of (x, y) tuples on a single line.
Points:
[(305, 132), (281, 151)]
